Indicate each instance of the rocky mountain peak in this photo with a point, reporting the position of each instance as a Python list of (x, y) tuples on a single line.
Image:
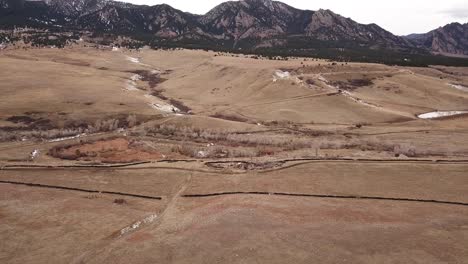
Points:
[(256, 3)]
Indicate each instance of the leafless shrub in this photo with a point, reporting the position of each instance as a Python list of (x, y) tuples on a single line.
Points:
[(266, 152), (352, 84), (360, 82), (159, 94), (238, 145), (185, 150), (104, 125), (21, 119), (243, 153), (120, 201), (153, 79), (404, 149), (214, 151), (38, 134), (280, 123), (229, 143), (180, 105), (71, 130), (132, 121)]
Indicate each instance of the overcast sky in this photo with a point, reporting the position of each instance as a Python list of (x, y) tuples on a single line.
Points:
[(400, 17)]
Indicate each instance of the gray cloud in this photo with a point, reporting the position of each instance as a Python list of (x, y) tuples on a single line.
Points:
[(457, 12)]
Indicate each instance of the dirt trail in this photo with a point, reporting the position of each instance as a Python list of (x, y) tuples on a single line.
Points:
[(290, 99), (351, 96), (167, 213)]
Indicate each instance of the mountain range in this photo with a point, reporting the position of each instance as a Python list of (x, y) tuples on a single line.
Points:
[(245, 24)]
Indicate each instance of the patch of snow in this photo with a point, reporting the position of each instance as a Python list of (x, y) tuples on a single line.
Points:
[(165, 108), (281, 75), (459, 87), (134, 60), (150, 219), (131, 84), (325, 81), (67, 138), (34, 154), (439, 114), (201, 154), (321, 78), (284, 75), (115, 49), (138, 224), (137, 61), (135, 77), (357, 100)]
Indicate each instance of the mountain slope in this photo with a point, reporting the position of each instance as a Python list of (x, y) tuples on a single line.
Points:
[(76, 7), (36, 14), (326, 25), (262, 19), (450, 39), (14, 4), (161, 20)]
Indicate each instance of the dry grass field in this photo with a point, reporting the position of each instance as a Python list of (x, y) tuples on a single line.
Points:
[(182, 156)]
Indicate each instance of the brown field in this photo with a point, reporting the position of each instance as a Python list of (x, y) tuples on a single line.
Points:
[(200, 157)]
